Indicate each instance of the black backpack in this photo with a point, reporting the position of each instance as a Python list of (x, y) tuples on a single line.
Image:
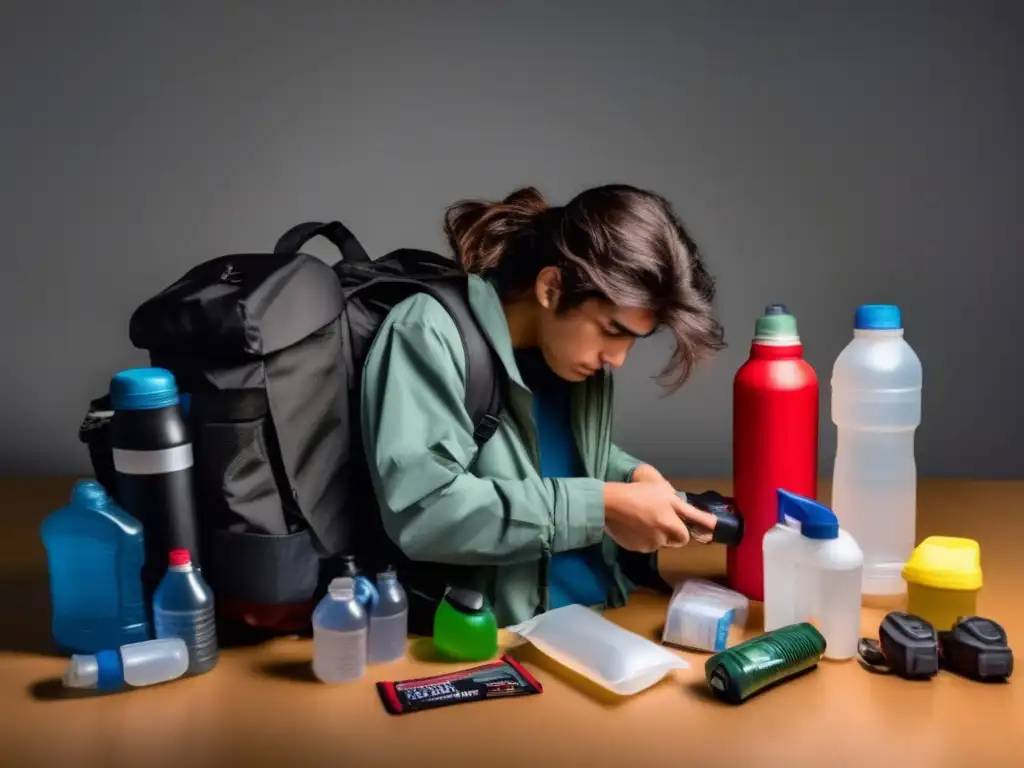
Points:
[(268, 349)]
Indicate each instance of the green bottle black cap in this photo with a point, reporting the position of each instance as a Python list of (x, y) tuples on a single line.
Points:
[(776, 326)]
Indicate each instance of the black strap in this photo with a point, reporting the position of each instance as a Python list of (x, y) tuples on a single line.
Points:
[(484, 393), (340, 235), (438, 276)]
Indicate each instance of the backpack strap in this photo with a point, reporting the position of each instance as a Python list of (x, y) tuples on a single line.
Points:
[(340, 235), (484, 387)]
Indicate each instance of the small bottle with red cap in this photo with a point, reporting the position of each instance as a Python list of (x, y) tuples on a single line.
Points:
[(183, 607)]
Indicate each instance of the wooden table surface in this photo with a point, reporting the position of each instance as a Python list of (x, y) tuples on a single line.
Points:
[(261, 705)]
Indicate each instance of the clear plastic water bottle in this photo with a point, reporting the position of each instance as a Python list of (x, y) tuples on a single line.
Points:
[(389, 620), (95, 552), (339, 634), (183, 608), (136, 664), (876, 407)]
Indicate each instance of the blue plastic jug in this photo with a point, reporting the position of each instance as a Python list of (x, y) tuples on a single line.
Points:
[(95, 552)]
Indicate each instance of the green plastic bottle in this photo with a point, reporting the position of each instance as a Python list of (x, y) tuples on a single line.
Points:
[(464, 627), (737, 673)]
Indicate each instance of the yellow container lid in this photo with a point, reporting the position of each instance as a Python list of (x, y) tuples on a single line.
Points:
[(945, 562)]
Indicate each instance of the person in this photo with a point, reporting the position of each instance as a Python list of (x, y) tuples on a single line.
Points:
[(541, 515)]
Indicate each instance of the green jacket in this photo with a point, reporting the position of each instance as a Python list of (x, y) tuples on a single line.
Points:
[(492, 513)]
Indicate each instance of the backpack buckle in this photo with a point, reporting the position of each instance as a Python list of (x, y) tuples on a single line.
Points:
[(486, 428)]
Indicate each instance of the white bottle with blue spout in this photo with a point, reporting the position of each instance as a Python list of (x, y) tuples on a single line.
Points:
[(812, 572)]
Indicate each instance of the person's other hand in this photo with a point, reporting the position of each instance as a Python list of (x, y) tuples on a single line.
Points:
[(645, 473), (645, 517)]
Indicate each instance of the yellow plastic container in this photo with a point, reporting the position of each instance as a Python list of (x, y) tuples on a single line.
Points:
[(943, 578)]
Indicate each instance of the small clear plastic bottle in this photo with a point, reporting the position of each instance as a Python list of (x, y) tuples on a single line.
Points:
[(136, 665), (183, 607), (339, 634), (389, 620)]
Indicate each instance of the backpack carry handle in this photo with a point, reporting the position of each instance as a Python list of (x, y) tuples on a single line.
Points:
[(342, 237)]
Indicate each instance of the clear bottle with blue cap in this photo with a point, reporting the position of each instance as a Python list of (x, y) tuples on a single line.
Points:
[(876, 407), (134, 665), (812, 573)]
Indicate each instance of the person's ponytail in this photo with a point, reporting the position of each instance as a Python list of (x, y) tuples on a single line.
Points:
[(481, 233)]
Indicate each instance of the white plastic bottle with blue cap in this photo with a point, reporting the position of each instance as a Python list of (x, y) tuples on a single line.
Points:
[(134, 665), (812, 572), (876, 407)]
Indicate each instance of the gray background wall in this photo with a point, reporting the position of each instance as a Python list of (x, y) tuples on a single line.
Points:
[(825, 154)]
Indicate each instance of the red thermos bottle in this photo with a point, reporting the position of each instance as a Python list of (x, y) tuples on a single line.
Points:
[(774, 439)]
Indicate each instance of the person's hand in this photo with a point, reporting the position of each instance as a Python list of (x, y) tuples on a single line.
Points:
[(701, 524), (645, 517)]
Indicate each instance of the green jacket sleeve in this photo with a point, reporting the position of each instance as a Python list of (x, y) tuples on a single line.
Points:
[(419, 444), (620, 465)]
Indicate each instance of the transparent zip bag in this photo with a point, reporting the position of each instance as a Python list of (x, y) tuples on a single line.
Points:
[(582, 640)]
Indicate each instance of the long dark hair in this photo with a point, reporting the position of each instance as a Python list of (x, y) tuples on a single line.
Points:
[(615, 242)]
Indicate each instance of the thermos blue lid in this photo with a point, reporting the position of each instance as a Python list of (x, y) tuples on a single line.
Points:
[(878, 317), (90, 495), (139, 389)]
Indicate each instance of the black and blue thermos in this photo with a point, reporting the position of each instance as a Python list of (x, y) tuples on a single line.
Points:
[(152, 456)]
